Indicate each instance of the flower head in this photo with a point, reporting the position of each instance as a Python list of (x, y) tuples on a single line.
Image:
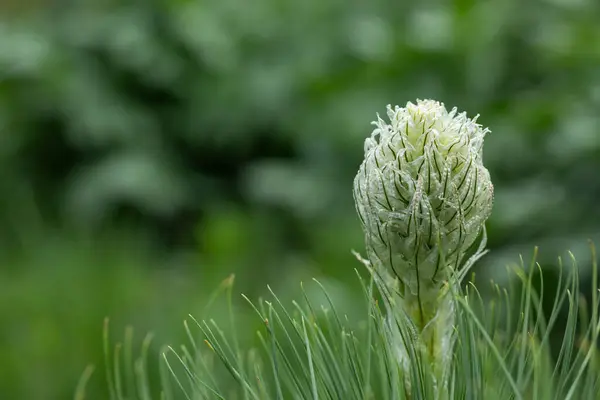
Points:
[(422, 192)]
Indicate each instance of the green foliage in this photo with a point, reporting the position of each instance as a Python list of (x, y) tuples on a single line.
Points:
[(309, 350), (173, 107)]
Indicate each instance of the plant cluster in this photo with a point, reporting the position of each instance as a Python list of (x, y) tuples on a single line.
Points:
[(423, 196)]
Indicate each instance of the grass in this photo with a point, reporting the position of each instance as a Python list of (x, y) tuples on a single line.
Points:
[(308, 350)]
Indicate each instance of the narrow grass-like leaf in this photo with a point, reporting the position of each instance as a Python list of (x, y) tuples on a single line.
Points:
[(276, 376), (107, 360), (499, 358)]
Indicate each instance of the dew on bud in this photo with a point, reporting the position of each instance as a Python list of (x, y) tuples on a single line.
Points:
[(422, 193)]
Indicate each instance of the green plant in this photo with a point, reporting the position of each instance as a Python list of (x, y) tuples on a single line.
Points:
[(309, 351), (424, 333)]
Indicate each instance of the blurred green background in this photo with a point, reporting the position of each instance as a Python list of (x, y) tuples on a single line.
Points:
[(148, 149)]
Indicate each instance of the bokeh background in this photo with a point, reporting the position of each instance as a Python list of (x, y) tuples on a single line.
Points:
[(148, 149)]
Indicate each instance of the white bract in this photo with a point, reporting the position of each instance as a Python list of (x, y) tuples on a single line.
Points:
[(423, 194)]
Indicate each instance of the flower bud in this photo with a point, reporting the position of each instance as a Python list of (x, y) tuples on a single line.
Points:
[(423, 194)]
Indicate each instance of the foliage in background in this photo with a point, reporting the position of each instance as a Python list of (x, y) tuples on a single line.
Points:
[(148, 149)]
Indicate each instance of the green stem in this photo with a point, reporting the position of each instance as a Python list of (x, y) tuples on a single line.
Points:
[(433, 316)]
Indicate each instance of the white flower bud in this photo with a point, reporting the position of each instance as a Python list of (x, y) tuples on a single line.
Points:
[(423, 194)]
